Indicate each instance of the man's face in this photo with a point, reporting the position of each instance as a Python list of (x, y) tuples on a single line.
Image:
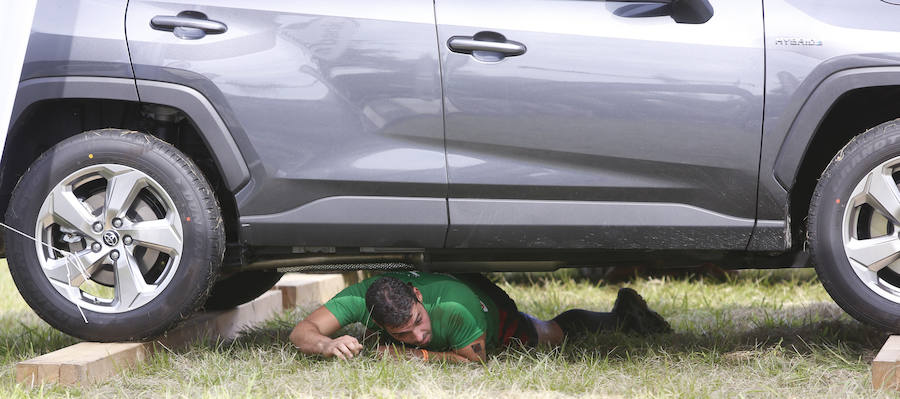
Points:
[(416, 331)]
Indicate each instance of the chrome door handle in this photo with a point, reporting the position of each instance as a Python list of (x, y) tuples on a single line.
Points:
[(469, 44), (189, 25), (486, 46)]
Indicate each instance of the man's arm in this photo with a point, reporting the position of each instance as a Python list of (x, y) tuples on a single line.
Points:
[(312, 336), (474, 352), (405, 352)]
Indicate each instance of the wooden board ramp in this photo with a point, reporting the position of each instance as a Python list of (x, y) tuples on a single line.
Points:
[(92, 362), (82, 363), (313, 289), (886, 366), (224, 325)]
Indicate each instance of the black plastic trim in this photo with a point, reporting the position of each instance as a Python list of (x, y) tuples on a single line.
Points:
[(208, 122), (803, 129), (210, 125)]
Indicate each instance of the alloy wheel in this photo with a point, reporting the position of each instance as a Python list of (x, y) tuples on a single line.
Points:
[(871, 223), (109, 238)]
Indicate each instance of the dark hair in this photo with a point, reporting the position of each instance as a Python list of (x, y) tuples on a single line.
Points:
[(390, 301)]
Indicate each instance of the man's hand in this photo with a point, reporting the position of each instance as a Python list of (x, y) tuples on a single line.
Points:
[(343, 347), (311, 336)]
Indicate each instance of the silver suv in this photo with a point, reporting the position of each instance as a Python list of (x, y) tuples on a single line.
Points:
[(167, 155)]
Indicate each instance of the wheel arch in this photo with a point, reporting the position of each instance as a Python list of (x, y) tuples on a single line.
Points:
[(841, 107), (207, 122), (60, 107)]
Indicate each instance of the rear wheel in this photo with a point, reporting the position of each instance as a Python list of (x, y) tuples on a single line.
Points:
[(240, 288), (127, 233), (854, 221)]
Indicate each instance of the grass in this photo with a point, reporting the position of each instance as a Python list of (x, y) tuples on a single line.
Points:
[(759, 334)]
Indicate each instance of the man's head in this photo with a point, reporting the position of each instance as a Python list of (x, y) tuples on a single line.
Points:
[(397, 307)]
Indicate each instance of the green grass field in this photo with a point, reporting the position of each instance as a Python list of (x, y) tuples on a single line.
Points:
[(760, 334)]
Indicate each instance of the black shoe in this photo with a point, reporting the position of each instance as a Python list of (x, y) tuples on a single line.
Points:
[(634, 316)]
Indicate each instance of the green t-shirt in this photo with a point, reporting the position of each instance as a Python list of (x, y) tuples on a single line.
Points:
[(459, 314)]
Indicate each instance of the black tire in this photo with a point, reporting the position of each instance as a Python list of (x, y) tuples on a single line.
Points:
[(826, 230), (201, 223), (240, 288)]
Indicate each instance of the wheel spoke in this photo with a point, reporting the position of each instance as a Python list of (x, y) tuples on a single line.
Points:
[(869, 277), (65, 270), (882, 194), (130, 284), (874, 253), (121, 190), (69, 210), (124, 192), (160, 235)]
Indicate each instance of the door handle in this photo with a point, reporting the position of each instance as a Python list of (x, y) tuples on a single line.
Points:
[(188, 25), (463, 44), (486, 46)]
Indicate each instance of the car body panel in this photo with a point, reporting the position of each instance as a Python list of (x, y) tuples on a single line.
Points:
[(76, 38), (360, 84), (15, 28), (479, 223), (603, 107), (861, 37), (807, 43), (324, 99), (348, 221)]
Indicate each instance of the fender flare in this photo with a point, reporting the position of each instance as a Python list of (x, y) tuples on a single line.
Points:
[(209, 124), (816, 108)]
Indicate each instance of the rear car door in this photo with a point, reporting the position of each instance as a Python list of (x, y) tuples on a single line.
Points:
[(601, 124), (334, 105)]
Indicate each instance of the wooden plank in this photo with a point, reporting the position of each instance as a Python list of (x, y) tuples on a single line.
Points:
[(224, 325), (89, 362), (232, 322), (84, 362), (351, 278), (886, 366), (199, 327), (300, 289)]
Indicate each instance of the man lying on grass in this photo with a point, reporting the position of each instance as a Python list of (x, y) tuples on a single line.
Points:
[(456, 318)]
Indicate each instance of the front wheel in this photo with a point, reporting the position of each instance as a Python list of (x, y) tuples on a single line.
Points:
[(854, 222), (128, 236)]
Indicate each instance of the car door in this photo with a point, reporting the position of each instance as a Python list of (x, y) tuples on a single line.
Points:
[(334, 105), (601, 124)]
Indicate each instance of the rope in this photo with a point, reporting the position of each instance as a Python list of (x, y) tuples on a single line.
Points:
[(70, 259)]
